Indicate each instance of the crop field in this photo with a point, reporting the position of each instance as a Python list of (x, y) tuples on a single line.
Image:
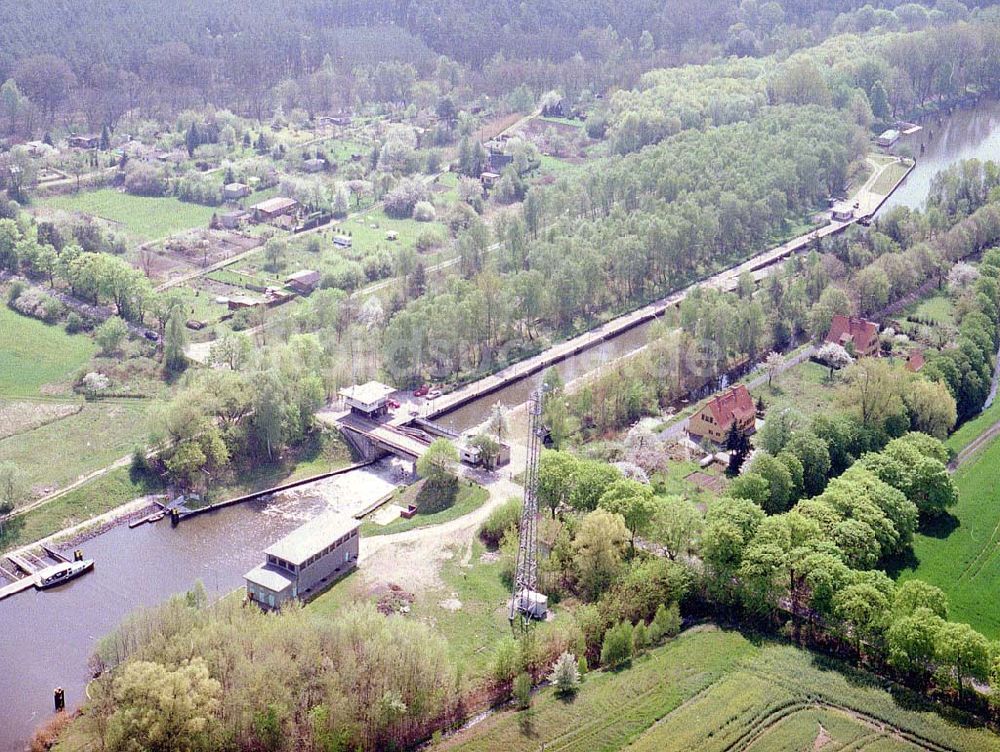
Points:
[(962, 554), (715, 691), (34, 354), (141, 217)]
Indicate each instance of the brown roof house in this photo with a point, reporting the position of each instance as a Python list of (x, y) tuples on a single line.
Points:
[(857, 336), (717, 416), (235, 191), (272, 208), (915, 360), (304, 281)]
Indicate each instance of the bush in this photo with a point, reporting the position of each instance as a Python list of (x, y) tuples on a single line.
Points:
[(505, 517), (16, 288), (505, 662), (428, 240), (146, 180), (666, 623), (522, 691), (424, 211), (401, 200), (565, 676), (640, 638), (75, 323), (35, 303), (110, 335), (617, 646)]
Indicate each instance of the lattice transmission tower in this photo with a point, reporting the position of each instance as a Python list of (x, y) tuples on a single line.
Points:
[(526, 602)]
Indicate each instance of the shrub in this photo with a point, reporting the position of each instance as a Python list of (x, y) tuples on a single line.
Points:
[(16, 288), (74, 323), (110, 335), (640, 638), (617, 646), (424, 211), (401, 200), (144, 179), (666, 623), (565, 676), (522, 691), (35, 303), (505, 517), (428, 240)]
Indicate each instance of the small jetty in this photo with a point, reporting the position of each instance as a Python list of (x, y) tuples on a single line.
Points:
[(23, 567)]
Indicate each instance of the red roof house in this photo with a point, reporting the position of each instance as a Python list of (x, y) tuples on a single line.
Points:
[(857, 336), (716, 416), (915, 361)]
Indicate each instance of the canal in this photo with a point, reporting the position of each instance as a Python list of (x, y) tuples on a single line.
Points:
[(46, 637), (968, 133)]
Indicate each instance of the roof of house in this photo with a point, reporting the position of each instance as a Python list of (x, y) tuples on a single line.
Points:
[(312, 537), (269, 577), (304, 277), (890, 133), (278, 203), (237, 187), (915, 360), (736, 403), (844, 329), (842, 207), (368, 393)]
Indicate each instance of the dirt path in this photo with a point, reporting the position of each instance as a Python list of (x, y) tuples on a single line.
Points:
[(414, 558)]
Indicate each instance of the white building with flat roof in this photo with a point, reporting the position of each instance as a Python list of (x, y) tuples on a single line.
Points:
[(305, 561), (370, 399)]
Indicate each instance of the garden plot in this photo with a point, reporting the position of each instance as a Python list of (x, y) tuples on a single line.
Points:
[(198, 249)]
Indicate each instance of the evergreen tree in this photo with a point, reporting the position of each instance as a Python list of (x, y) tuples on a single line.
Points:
[(192, 140), (738, 446)]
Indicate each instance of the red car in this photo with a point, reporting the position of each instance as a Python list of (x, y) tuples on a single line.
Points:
[(421, 391), (393, 404)]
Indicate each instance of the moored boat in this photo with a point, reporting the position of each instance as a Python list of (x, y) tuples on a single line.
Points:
[(60, 573)]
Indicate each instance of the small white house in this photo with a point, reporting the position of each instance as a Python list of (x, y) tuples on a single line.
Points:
[(888, 138)]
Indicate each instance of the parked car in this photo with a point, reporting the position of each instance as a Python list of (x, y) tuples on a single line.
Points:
[(433, 394), (152, 336), (393, 404), (421, 391)]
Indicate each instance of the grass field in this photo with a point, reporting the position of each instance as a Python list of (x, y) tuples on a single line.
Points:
[(971, 429), (938, 308), (141, 217), (97, 497), (714, 691), (805, 388), (57, 453), (468, 498), (962, 555), (889, 177), (33, 354)]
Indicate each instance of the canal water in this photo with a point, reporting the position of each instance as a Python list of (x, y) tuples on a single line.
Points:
[(46, 637), (968, 133)]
